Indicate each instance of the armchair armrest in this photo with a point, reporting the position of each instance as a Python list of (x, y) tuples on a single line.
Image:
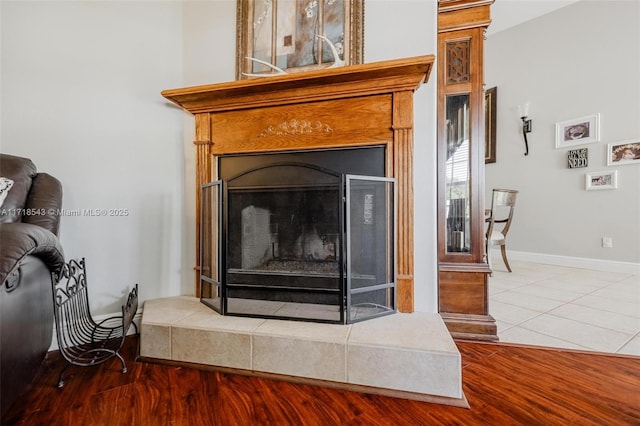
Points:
[(45, 196)]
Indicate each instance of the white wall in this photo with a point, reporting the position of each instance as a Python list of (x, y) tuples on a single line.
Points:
[(397, 29), (208, 42), (81, 86), (579, 60)]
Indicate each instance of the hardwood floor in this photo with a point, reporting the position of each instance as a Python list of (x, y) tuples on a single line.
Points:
[(504, 384)]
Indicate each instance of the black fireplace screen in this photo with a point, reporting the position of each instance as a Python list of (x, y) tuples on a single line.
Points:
[(298, 241)]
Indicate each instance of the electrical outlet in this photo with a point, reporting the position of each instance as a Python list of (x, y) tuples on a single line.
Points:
[(607, 242)]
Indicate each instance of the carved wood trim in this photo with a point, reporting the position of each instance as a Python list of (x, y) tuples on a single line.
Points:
[(403, 172), (457, 61), (202, 145), (295, 127), (463, 14)]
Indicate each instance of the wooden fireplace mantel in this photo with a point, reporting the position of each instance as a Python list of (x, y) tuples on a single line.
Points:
[(358, 105)]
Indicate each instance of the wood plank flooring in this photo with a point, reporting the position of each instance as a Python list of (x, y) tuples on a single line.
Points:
[(504, 384)]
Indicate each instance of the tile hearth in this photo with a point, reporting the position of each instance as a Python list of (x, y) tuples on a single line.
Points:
[(410, 355)]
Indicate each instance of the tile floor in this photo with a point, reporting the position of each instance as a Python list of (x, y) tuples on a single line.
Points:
[(564, 307)]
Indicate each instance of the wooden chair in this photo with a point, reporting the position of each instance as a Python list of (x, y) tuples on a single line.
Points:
[(83, 341), (503, 202)]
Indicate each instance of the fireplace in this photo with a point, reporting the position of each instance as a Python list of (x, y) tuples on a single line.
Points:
[(359, 106), (305, 235)]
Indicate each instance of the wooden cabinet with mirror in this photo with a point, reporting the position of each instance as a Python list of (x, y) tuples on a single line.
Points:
[(462, 267)]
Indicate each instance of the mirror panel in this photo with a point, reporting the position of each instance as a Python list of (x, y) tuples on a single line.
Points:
[(458, 174)]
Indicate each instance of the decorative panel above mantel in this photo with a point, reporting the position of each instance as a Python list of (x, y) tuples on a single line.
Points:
[(354, 106)]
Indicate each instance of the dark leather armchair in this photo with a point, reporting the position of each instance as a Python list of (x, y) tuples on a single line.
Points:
[(29, 253)]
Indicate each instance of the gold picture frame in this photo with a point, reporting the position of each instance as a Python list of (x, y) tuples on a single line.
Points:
[(283, 33)]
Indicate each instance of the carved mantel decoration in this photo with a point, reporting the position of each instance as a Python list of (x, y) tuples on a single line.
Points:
[(295, 127), (353, 106)]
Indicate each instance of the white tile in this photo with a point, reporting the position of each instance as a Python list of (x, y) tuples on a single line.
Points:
[(630, 283), (209, 319), (515, 277), (554, 293), (220, 348), (595, 276), (493, 290), (420, 331), (543, 270), (609, 301), (168, 310), (589, 336), (337, 333), (409, 352), (503, 326), (527, 301), (619, 294), (431, 373), (580, 287), (528, 337), (324, 360), (504, 284), (253, 306), (604, 319), (303, 349), (209, 338), (616, 306), (632, 347), (155, 341), (309, 310), (510, 314)]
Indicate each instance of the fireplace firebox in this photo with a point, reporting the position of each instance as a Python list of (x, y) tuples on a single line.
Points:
[(306, 235)]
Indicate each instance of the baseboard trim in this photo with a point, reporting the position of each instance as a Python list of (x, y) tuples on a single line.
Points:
[(571, 262)]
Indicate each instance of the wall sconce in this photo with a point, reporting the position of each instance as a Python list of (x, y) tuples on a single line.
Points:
[(526, 124)]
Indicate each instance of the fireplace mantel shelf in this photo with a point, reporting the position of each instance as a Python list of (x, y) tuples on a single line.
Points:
[(335, 83)]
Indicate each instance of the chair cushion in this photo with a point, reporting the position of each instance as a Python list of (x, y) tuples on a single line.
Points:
[(21, 171), (5, 186), (497, 239)]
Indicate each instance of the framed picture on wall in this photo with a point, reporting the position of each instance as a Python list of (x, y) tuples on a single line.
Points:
[(601, 180), (623, 153), (578, 131), (490, 112), (284, 34), (578, 158)]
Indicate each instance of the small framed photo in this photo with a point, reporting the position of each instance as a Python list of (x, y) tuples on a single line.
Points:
[(601, 180), (578, 131), (623, 153), (578, 158)]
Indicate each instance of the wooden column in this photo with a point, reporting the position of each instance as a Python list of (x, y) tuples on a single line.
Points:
[(202, 145), (462, 273), (403, 172)]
